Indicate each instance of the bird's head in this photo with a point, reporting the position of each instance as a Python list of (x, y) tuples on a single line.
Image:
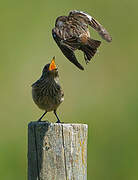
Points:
[(60, 21), (50, 70)]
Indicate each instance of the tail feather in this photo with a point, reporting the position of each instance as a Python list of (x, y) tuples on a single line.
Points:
[(90, 49)]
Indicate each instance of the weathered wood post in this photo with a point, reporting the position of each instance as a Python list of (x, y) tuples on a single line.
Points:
[(57, 151)]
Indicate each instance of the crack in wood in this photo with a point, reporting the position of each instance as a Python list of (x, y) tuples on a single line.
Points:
[(64, 152)]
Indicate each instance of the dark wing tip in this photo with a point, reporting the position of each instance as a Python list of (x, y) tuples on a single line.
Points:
[(80, 67), (70, 55)]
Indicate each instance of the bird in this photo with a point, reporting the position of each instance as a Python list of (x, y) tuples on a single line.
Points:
[(46, 91), (71, 33)]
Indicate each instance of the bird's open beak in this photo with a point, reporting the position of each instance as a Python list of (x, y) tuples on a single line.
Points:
[(52, 65)]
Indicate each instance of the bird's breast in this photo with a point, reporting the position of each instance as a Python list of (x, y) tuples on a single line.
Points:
[(84, 37)]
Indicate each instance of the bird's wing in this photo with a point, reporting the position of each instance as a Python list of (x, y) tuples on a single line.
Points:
[(66, 49), (82, 16), (73, 42)]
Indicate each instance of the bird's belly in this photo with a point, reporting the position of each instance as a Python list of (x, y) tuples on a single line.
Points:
[(48, 106), (48, 103)]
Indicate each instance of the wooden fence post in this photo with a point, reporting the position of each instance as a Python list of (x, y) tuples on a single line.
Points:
[(57, 151)]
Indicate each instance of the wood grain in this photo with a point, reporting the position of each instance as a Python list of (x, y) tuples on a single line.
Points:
[(57, 151)]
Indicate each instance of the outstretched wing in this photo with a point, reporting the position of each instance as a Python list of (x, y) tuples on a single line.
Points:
[(66, 49), (92, 22)]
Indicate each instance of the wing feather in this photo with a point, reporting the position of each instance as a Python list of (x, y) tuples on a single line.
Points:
[(92, 22)]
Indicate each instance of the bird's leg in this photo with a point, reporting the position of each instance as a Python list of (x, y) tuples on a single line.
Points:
[(42, 116), (58, 121)]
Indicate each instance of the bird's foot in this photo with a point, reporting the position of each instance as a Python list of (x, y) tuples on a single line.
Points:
[(39, 120), (58, 121)]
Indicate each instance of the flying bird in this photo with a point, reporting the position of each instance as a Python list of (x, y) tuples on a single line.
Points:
[(46, 92), (71, 33)]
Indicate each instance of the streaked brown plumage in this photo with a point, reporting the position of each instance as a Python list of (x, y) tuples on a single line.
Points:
[(71, 33), (46, 92)]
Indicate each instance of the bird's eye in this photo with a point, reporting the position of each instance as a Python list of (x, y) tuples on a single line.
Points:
[(54, 35)]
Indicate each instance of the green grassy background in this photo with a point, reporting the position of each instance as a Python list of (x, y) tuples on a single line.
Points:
[(105, 95)]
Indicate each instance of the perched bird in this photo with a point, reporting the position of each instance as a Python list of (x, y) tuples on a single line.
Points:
[(71, 33), (46, 92)]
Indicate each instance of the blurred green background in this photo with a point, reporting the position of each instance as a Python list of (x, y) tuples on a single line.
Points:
[(105, 95)]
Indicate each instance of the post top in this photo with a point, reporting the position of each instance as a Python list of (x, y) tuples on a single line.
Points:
[(46, 123)]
